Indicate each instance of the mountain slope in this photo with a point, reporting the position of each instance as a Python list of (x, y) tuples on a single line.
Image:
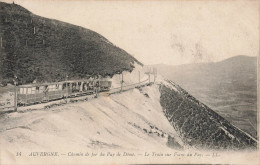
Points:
[(198, 125), (229, 87), (37, 48)]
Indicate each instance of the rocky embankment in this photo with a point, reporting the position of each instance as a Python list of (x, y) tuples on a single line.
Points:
[(198, 125)]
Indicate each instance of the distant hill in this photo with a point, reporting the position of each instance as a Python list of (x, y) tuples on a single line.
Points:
[(229, 87), (37, 48)]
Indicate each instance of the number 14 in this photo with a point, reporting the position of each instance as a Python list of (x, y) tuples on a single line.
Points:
[(18, 153)]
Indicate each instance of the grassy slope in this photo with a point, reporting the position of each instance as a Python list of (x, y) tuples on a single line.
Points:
[(57, 49)]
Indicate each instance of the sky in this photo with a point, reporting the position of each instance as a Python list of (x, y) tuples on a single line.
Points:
[(164, 32)]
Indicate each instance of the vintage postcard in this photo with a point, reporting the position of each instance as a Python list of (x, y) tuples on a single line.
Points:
[(129, 82)]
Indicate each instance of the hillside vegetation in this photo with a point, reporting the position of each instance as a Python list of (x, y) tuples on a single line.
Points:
[(41, 49), (199, 125)]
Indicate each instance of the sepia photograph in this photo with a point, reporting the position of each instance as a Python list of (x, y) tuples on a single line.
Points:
[(129, 82)]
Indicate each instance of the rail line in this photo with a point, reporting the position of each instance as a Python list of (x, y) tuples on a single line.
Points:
[(123, 88)]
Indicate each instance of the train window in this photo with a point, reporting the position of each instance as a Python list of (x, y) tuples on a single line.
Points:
[(21, 90), (29, 90), (33, 90), (47, 88), (53, 87), (64, 86), (50, 88), (41, 89), (36, 89), (80, 86), (60, 86)]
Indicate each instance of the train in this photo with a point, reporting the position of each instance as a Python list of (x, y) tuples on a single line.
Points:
[(40, 93)]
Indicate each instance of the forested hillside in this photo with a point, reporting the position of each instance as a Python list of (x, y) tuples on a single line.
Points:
[(36, 48)]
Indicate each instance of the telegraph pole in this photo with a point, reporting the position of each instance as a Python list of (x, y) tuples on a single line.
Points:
[(67, 89), (149, 77), (1, 44), (122, 82), (154, 74), (15, 97), (139, 77), (15, 93)]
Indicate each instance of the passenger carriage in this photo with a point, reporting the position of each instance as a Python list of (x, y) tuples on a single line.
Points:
[(105, 85), (38, 93)]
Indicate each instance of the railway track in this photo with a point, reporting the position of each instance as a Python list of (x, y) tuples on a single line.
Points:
[(74, 98)]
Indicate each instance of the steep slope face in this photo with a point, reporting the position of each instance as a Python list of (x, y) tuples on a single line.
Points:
[(229, 87), (129, 121), (37, 48), (198, 125)]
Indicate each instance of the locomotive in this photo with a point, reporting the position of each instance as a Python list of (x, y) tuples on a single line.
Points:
[(39, 93)]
